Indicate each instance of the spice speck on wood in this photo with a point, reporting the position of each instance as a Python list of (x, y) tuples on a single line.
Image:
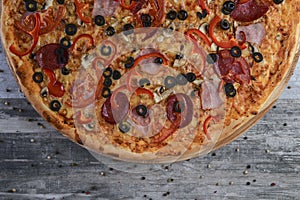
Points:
[(273, 184), (102, 173)]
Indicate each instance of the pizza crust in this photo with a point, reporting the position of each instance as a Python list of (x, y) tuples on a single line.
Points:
[(288, 51)]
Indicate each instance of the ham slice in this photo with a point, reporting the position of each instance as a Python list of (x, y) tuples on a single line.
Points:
[(210, 96), (105, 7), (254, 33)]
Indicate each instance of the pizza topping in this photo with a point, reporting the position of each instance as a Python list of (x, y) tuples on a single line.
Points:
[(250, 10), (224, 44), (38, 77), (146, 20), (34, 33), (140, 116), (278, 1), (178, 107), (190, 77), (128, 29), (107, 72), (79, 10), (71, 29), (185, 104), (191, 32), (31, 5), (116, 75), (81, 118), (55, 87), (140, 91), (171, 15), (107, 82), (228, 7), (105, 50), (205, 126), (44, 92), (110, 31), (144, 82), (201, 15), (105, 7), (235, 52), (203, 6), (112, 114), (181, 79), (49, 22), (129, 62), (258, 57), (149, 55), (230, 91), (182, 15), (225, 24), (210, 97), (83, 36), (124, 127), (141, 110), (65, 43), (52, 56), (60, 1), (170, 82), (65, 71), (232, 69), (253, 33), (211, 58), (106, 92), (99, 20), (55, 105)]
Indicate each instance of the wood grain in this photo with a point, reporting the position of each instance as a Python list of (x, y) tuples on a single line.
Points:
[(36, 162)]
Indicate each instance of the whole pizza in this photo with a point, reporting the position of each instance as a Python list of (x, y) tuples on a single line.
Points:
[(151, 80)]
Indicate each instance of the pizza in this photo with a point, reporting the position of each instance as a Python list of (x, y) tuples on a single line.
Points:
[(151, 80)]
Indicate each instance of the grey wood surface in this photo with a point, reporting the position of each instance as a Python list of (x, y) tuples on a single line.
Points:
[(36, 162)]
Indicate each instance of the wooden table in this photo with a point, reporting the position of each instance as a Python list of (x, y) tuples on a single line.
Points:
[(36, 162)]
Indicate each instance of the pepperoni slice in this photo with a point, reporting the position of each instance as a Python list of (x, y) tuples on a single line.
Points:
[(115, 115), (232, 69), (52, 56), (249, 11), (187, 110)]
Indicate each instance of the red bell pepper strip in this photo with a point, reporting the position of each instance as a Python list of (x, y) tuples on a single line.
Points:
[(34, 34), (197, 32), (55, 87), (150, 55), (165, 133), (128, 6), (140, 91), (87, 36), (225, 44), (81, 118), (205, 126), (79, 7), (203, 6)]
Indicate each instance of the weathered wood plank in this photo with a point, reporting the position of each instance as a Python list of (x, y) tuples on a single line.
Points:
[(244, 169)]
